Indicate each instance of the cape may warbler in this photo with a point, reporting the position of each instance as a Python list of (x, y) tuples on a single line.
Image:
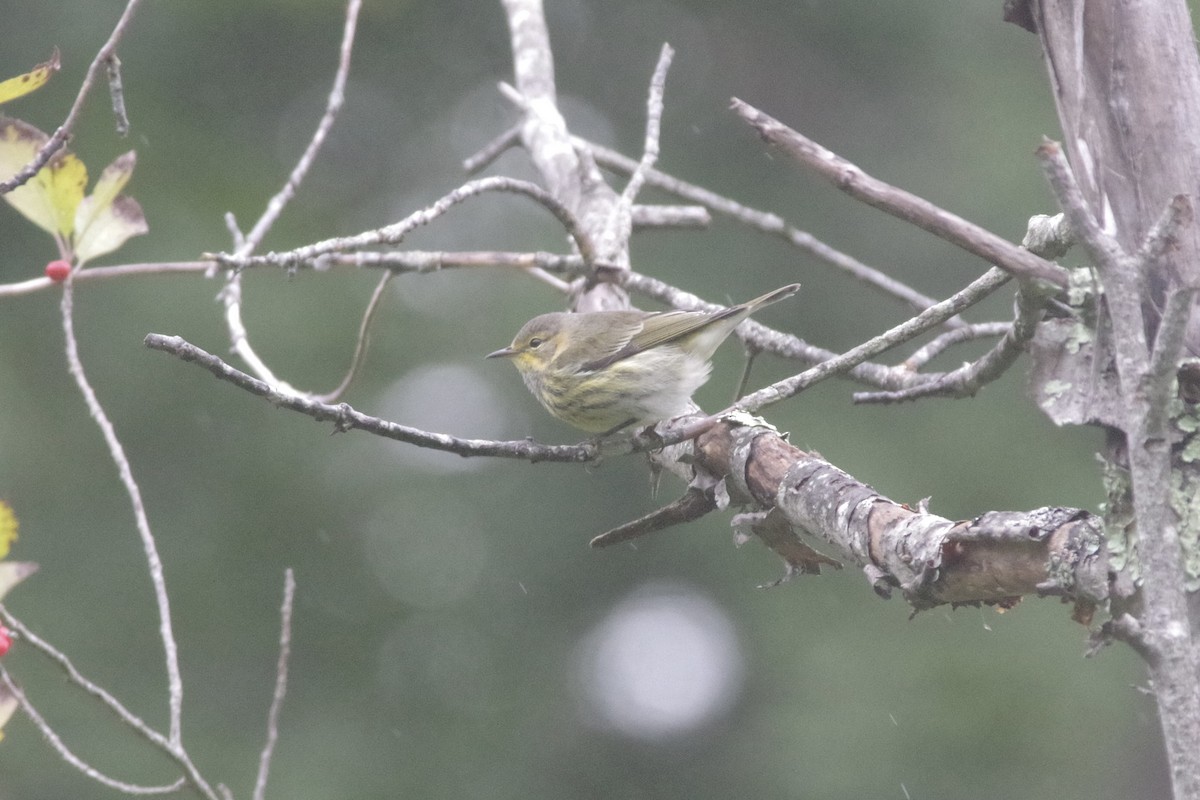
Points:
[(603, 370)]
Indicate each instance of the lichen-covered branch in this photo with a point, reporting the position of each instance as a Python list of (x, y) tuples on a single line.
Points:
[(994, 558)]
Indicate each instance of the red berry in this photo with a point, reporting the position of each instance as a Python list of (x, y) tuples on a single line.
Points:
[(58, 270), (5, 640)]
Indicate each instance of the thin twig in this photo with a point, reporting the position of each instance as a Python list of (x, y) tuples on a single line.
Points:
[(646, 217), (1168, 344), (784, 345), (231, 296), (654, 112), (333, 105), (767, 223), (56, 743), (150, 548), (135, 723), (1122, 277), (281, 676), (346, 418), (73, 674), (422, 261), (1163, 236), (693, 505), (930, 318), (395, 233), (901, 204), (100, 273), (940, 344), (60, 136), (968, 379), (492, 150), (360, 344)]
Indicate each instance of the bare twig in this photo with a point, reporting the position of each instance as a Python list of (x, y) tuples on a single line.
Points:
[(1163, 236), (435, 260), (767, 223), (56, 742), (969, 378), (60, 136), (693, 505), (492, 150), (281, 675), (176, 752), (945, 341), (755, 334), (103, 273), (899, 203), (657, 216), (346, 418), (1168, 344), (360, 345), (150, 548), (132, 720), (395, 233), (654, 111), (333, 105), (231, 296), (927, 319)]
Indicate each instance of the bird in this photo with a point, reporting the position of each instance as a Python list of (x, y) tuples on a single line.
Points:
[(602, 371)]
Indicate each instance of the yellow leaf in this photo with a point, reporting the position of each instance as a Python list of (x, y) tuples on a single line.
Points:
[(31, 81), (110, 183), (8, 528), (13, 572), (110, 228), (104, 220), (50, 197)]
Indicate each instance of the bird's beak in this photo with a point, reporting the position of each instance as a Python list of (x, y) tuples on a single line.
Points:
[(503, 352)]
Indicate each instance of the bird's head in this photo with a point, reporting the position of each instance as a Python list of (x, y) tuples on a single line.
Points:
[(536, 344)]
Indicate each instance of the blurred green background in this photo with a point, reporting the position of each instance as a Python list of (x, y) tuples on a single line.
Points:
[(454, 635)]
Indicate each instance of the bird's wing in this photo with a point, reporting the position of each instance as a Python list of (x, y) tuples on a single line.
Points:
[(609, 342), (645, 331), (668, 326)]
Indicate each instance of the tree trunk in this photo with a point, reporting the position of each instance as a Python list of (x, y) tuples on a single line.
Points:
[(1126, 80)]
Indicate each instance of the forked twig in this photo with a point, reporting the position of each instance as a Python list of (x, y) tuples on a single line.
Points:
[(56, 743)]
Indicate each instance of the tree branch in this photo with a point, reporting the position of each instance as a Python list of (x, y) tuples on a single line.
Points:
[(768, 223), (901, 204), (993, 558), (930, 318), (346, 418)]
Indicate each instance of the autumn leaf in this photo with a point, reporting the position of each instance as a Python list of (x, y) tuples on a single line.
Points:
[(8, 528), (105, 219), (31, 81), (50, 197), (53, 199)]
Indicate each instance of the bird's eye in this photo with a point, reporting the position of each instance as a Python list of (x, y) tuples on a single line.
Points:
[(535, 343)]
